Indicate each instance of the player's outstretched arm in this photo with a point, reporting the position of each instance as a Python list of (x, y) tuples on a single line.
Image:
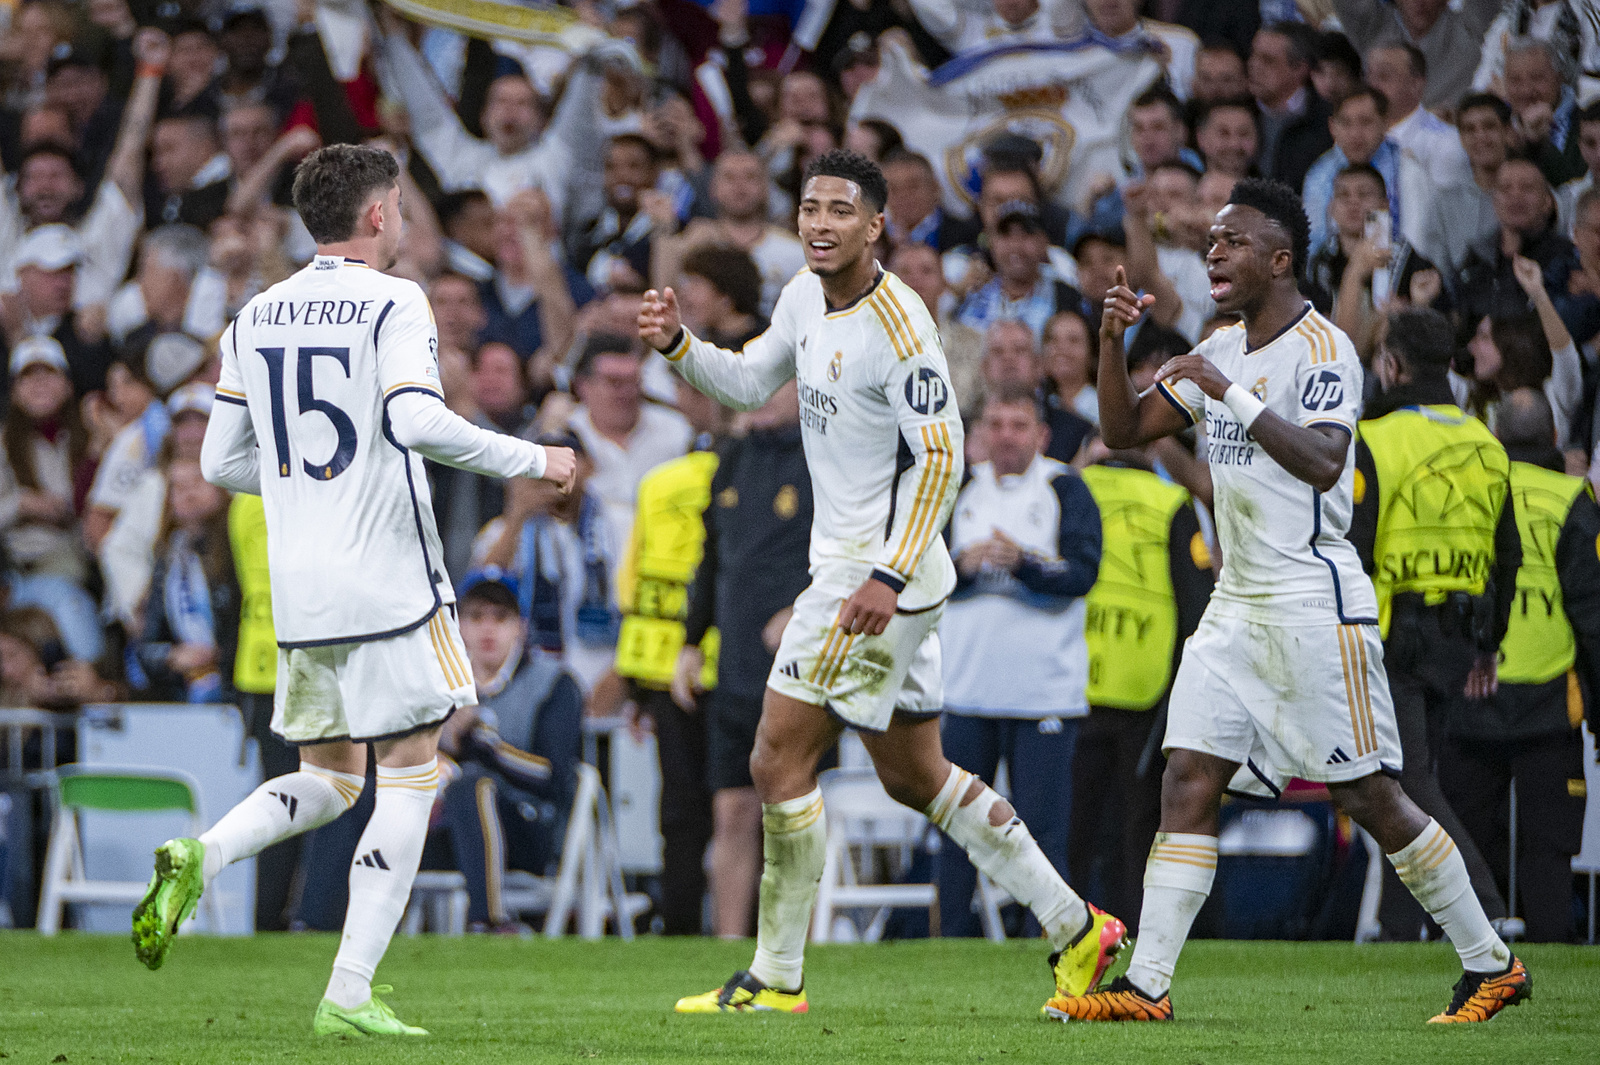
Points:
[(1314, 453), (1128, 419), (421, 422), (744, 379)]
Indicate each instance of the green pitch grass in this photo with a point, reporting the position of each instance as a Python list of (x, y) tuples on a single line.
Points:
[(80, 999)]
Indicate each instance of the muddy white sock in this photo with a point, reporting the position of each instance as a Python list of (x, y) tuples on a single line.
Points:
[(1432, 870), (380, 880), (1008, 854), (1177, 879), (794, 843), (282, 807)]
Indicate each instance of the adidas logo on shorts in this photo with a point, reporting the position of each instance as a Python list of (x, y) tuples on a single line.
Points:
[(1337, 757)]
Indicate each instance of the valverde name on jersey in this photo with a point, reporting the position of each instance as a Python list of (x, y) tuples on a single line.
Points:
[(312, 312)]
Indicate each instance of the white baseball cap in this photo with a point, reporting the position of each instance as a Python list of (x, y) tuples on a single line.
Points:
[(37, 351), (196, 396), (52, 247)]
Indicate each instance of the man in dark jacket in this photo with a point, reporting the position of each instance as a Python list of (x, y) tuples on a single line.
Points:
[(1294, 119), (758, 535)]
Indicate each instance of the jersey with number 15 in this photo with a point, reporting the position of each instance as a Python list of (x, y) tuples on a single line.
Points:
[(351, 543)]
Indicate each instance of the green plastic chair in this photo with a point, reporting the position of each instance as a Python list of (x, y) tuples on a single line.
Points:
[(113, 789)]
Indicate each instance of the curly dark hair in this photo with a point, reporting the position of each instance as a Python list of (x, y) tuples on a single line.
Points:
[(1280, 204), (332, 184), (852, 166)]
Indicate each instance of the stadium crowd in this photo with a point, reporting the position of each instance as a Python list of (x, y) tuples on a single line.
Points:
[(1447, 155)]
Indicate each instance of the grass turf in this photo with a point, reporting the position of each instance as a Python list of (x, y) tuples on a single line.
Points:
[(79, 999)]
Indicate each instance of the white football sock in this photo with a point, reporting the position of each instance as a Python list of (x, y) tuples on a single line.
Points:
[(794, 843), (1432, 870), (380, 880), (282, 807), (1008, 854), (1177, 879)]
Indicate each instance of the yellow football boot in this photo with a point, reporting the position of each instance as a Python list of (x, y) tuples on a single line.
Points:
[(743, 993), (1078, 969)]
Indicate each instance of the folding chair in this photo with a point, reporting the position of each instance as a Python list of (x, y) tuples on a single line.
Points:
[(122, 789), (864, 823)]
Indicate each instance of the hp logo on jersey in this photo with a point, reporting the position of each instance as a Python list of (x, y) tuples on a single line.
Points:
[(1323, 392), (926, 392)]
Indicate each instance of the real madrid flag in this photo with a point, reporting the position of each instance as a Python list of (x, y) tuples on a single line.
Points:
[(1070, 97)]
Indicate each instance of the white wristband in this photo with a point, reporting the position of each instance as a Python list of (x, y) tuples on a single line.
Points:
[(1245, 407), (541, 460)]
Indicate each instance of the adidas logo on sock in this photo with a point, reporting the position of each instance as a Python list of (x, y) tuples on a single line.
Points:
[(1336, 757), (289, 801), (373, 859)]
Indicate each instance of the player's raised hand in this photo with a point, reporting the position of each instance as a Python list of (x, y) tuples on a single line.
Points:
[(1123, 307), (659, 320), (1196, 368), (560, 467)]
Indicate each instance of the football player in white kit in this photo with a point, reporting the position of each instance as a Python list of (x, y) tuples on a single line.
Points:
[(1284, 676), (883, 441), (329, 401)]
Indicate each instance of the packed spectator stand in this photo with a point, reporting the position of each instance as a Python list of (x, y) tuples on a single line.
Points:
[(556, 162)]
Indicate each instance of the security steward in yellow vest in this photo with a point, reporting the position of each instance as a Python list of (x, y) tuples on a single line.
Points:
[(255, 676), (653, 590), (1155, 580), (1435, 528), (1549, 670)]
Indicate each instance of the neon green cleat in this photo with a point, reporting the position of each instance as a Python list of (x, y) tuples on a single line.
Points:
[(1078, 968), (372, 1018), (175, 888)]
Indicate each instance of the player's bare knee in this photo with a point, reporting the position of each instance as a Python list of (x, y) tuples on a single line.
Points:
[(973, 791), (1000, 813)]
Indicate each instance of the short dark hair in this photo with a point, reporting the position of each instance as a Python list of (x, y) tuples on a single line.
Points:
[(851, 166), (1590, 113), (1303, 40), (1335, 47), (730, 271), (1280, 204), (1365, 92), (1016, 166), (600, 344), (1525, 419), (1421, 338), (453, 205), (332, 184), (637, 141), (1178, 165), (903, 155), (1015, 394), (1159, 95), (491, 593), (1418, 58), (196, 119), (889, 138), (1474, 100), (1226, 103), (1364, 170)]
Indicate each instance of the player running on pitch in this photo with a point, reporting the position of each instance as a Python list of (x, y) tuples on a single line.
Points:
[(883, 441), (1285, 675), (334, 373)]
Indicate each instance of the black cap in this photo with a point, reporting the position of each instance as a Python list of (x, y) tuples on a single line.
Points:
[(72, 55), (1024, 213), (1112, 235), (563, 438)]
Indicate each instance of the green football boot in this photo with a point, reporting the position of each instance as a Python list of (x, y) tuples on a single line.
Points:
[(175, 888), (374, 1017)]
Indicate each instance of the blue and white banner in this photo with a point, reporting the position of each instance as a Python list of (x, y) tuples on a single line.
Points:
[(1070, 97)]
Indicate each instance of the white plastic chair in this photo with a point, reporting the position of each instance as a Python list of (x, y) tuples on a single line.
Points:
[(126, 789), (863, 821), (587, 883)]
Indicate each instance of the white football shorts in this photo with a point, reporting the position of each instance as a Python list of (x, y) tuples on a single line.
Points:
[(1307, 701), (379, 689), (862, 680)]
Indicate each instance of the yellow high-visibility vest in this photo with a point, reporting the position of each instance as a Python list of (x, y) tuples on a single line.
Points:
[(255, 667)]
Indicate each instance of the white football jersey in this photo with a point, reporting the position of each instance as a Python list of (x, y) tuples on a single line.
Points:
[(1285, 558), (880, 425), (351, 542)]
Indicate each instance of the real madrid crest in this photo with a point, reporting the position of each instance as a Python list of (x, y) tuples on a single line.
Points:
[(1259, 390), (836, 366)]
